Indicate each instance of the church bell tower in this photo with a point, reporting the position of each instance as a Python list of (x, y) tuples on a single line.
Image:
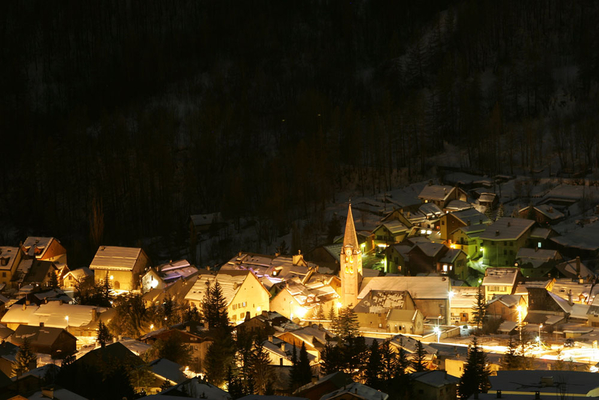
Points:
[(351, 264)]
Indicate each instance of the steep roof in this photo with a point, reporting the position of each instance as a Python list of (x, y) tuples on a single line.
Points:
[(37, 335), (40, 243), (350, 239), (507, 228), (363, 391), (229, 280), (115, 258), (7, 257), (471, 216)]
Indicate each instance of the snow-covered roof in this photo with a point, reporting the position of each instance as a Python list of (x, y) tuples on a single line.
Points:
[(57, 393), (450, 256), (549, 212), (420, 287), (115, 258), (458, 205), (431, 249), (379, 301), (540, 233), (52, 314), (79, 274), (203, 390), (429, 209), (205, 219), (507, 228), (40, 243), (434, 378), (487, 197), (585, 238), (395, 227), (7, 257), (410, 345), (500, 277), (536, 256), (402, 315), (166, 369), (436, 192), (363, 391), (471, 216), (523, 382)]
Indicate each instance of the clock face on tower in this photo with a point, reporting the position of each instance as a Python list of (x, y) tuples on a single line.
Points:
[(348, 252)]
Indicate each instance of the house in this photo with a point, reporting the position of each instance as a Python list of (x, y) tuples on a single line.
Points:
[(388, 233), (442, 195), (315, 339), (506, 307), (574, 269), (56, 342), (8, 358), (431, 294), (396, 258), (75, 277), (192, 334), (582, 241), (268, 322), (355, 391), (203, 389), (502, 240), (10, 257), (463, 301), (541, 238), (434, 385), (593, 313), (449, 222), (121, 265), (410, 346), (202, 223), (45, 249), (453, 262), (164, 275), (428, 257), (164, 373), (488, 200), (79, 320), (500, 281), (242, 290), (544, 214), (537, 263), (373, 311), (327, 384), (541, 384), (545, 307), (33, 272), (405, 321)]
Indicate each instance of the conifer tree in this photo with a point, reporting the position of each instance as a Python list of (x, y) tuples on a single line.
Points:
[(374, 367), (419, 361), (331, 360), (104, 335), (475, 378), (214, 307), (346, 325), (479, 312), (25, 359)]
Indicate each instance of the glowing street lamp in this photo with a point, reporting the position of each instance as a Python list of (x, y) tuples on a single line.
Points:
[(67, 318), (539, 337), (520, 323), (437, 330)]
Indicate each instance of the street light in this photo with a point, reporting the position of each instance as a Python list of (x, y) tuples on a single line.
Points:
[(437, 330), (520, 324), (539, 338), (67, 318)]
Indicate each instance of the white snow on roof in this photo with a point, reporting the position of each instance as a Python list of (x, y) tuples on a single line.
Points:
[(115, 258), (436, 192), (230, 282), (7, 257), (33, 242), (586, 238), (500, 276), (363, 391), (420, 287), (52, 314), (506, 228), (395, 226)]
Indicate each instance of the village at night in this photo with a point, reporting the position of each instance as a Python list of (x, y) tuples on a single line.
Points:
[(311, 200)]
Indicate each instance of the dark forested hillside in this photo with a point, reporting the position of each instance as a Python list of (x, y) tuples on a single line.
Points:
[(120, 118)]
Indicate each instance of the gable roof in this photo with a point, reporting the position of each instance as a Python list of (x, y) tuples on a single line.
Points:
[(471, 216), (500, 276), (230, 281), (8, 256), (116, 258), (420, 287), (38, 335), (436, 192), (40, 243), (359, 390), (430, 249), (379, 301), (434, 378), (507, 228)]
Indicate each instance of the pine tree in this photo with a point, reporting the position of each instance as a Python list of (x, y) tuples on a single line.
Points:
[(388, 362), (220, 356), (475, 378), (25, 359), (260, 368), (104, 335), (331, 360), (513, 359), (419, 361), (346, 325), (479, 312), (320, 313), (53, 280), (331, 315), (214, 307), (374, 367)]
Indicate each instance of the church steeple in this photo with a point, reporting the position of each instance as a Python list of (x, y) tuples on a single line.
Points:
[(350, 263), (350, 239)]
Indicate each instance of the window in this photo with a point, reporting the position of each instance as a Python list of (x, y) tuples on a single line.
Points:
[(4, 274), (244, 304), (539, 245)]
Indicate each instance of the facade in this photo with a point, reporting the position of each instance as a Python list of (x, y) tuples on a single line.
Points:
[(351, 264), (500, 281), (441, 195), (451, 221), (123, 266), (502, 240), (10, 257)]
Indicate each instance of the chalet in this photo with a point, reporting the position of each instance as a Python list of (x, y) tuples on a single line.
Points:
[(441, 195), (389, 233), (451, 221), (202, 223), (544, 214), (10, 257), (45, 249), (33, 272), (500, 281), (488, 200), (242, 290), (541, 238), (8, 354), (176, 291), (164, 275), (453, 262), (56, 342), (593, 313), (463, 301), (269, 322), (76, 277), (405, 321), (163, 373), (434, 385), (425, 258), (305, 301), (431, 211), (121, 265), (502, 240), (546, 308), (431, 294)]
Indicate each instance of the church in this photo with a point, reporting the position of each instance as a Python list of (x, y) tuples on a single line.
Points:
[(350, 271)]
